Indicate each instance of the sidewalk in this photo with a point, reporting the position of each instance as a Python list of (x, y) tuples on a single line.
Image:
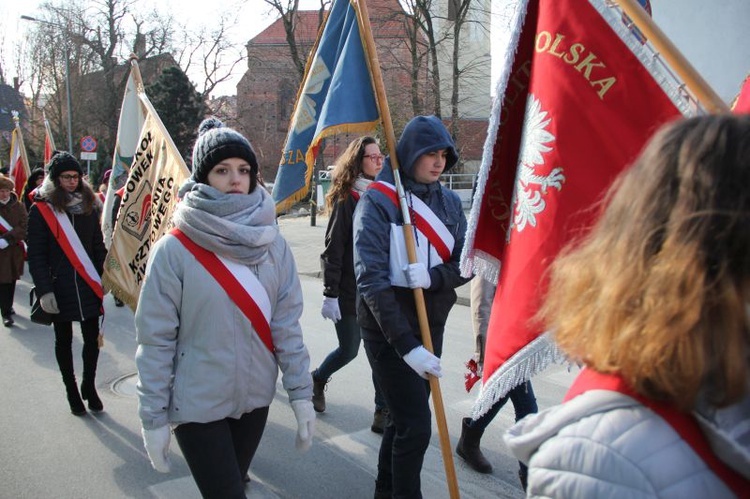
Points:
[(307, 243)]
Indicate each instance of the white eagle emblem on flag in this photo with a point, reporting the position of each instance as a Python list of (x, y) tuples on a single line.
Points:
[(528, 194)]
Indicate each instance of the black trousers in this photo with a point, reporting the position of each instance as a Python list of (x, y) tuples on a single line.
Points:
[(7, 293), (407, 437), (219, 453), (64, 349)]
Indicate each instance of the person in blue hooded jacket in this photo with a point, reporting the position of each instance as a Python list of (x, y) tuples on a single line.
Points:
[(386, 310)]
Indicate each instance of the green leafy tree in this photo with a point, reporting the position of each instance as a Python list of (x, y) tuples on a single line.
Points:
[(180, 107)]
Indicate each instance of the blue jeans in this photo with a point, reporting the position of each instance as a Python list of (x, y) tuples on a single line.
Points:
[(349, 336), (524, 403), (219, 453), (407, 437)]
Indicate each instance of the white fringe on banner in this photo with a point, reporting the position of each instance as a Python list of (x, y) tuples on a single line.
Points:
[(530, 360), (511, 17)]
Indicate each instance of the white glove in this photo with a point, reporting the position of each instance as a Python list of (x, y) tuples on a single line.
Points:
[(305, 414), (3, 243), (156, 442), (49, 303), (417, 275), (330, 309), (423, 362)]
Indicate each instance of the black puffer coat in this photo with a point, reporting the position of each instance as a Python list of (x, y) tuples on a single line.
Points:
[(337, 261), (51, 270)]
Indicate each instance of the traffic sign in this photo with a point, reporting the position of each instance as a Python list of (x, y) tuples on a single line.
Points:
[(88, 156), (88, 144)]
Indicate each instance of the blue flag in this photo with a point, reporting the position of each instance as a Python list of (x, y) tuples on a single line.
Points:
[(336, 96)]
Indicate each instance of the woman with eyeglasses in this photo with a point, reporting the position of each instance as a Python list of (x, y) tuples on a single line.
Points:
[(66, 258), (353, 172)]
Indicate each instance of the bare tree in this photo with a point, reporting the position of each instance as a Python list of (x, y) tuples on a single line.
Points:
[(212, 51), (288, 13), (423, 18), (94, 38)]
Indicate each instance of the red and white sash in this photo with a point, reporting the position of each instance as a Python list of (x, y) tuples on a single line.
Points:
[(5, 227), (72, 246), (427, 223), (240, 284), (434, 242)]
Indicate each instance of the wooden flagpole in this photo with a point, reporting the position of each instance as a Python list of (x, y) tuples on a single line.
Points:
[(424, 326), (136, 71), (694, 81)]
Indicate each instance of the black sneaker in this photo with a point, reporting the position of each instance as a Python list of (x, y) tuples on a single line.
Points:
[(8, 321)]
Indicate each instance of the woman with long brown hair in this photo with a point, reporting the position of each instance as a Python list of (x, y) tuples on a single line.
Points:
[(654, 302), (66, 259), (353, 172)]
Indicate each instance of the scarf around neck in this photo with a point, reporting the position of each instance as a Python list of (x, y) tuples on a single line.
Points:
[(236, 226), (361, 184)]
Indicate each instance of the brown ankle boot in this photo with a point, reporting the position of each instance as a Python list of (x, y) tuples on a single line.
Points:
[(468, 448)]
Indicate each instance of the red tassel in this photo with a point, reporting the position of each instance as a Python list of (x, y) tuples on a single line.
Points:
[(472, 377)]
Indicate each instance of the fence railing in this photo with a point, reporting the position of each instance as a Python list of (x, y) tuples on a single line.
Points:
[(456, 181)]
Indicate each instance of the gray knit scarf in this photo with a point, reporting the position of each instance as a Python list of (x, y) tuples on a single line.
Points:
[(361, 184), (236, 226)]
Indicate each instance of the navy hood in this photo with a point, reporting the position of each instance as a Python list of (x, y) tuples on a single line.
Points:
[(423, 134)]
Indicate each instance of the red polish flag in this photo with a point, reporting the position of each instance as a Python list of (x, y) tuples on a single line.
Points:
[(578, 97), (742, 101)]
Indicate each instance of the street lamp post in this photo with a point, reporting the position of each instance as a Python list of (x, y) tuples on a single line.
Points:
[(67, 78)]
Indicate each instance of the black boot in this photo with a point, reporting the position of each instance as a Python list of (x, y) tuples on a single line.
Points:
[(88, 392), (319, 395), (64, 357), (74, 398), (88, 386), (468, 448), (383, 487)]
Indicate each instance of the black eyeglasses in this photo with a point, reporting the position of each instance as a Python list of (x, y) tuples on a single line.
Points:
[(375, 157), (65, 176)]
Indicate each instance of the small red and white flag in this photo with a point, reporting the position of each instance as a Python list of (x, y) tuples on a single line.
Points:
[(49, 142), (18, 170), (578, 97)]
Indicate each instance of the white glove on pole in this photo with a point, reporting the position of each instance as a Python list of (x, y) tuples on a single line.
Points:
[(49, 303), (3, 243), (417, 275), (156, 442), (330, 309), (423, 362), (305, 414)]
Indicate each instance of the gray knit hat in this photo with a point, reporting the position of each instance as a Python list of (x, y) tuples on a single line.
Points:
[(216, 143)]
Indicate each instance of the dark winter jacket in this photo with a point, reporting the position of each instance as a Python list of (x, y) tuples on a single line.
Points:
[(52, 272), (12, 258), (36, 174), (386, 312), (337, 261)]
